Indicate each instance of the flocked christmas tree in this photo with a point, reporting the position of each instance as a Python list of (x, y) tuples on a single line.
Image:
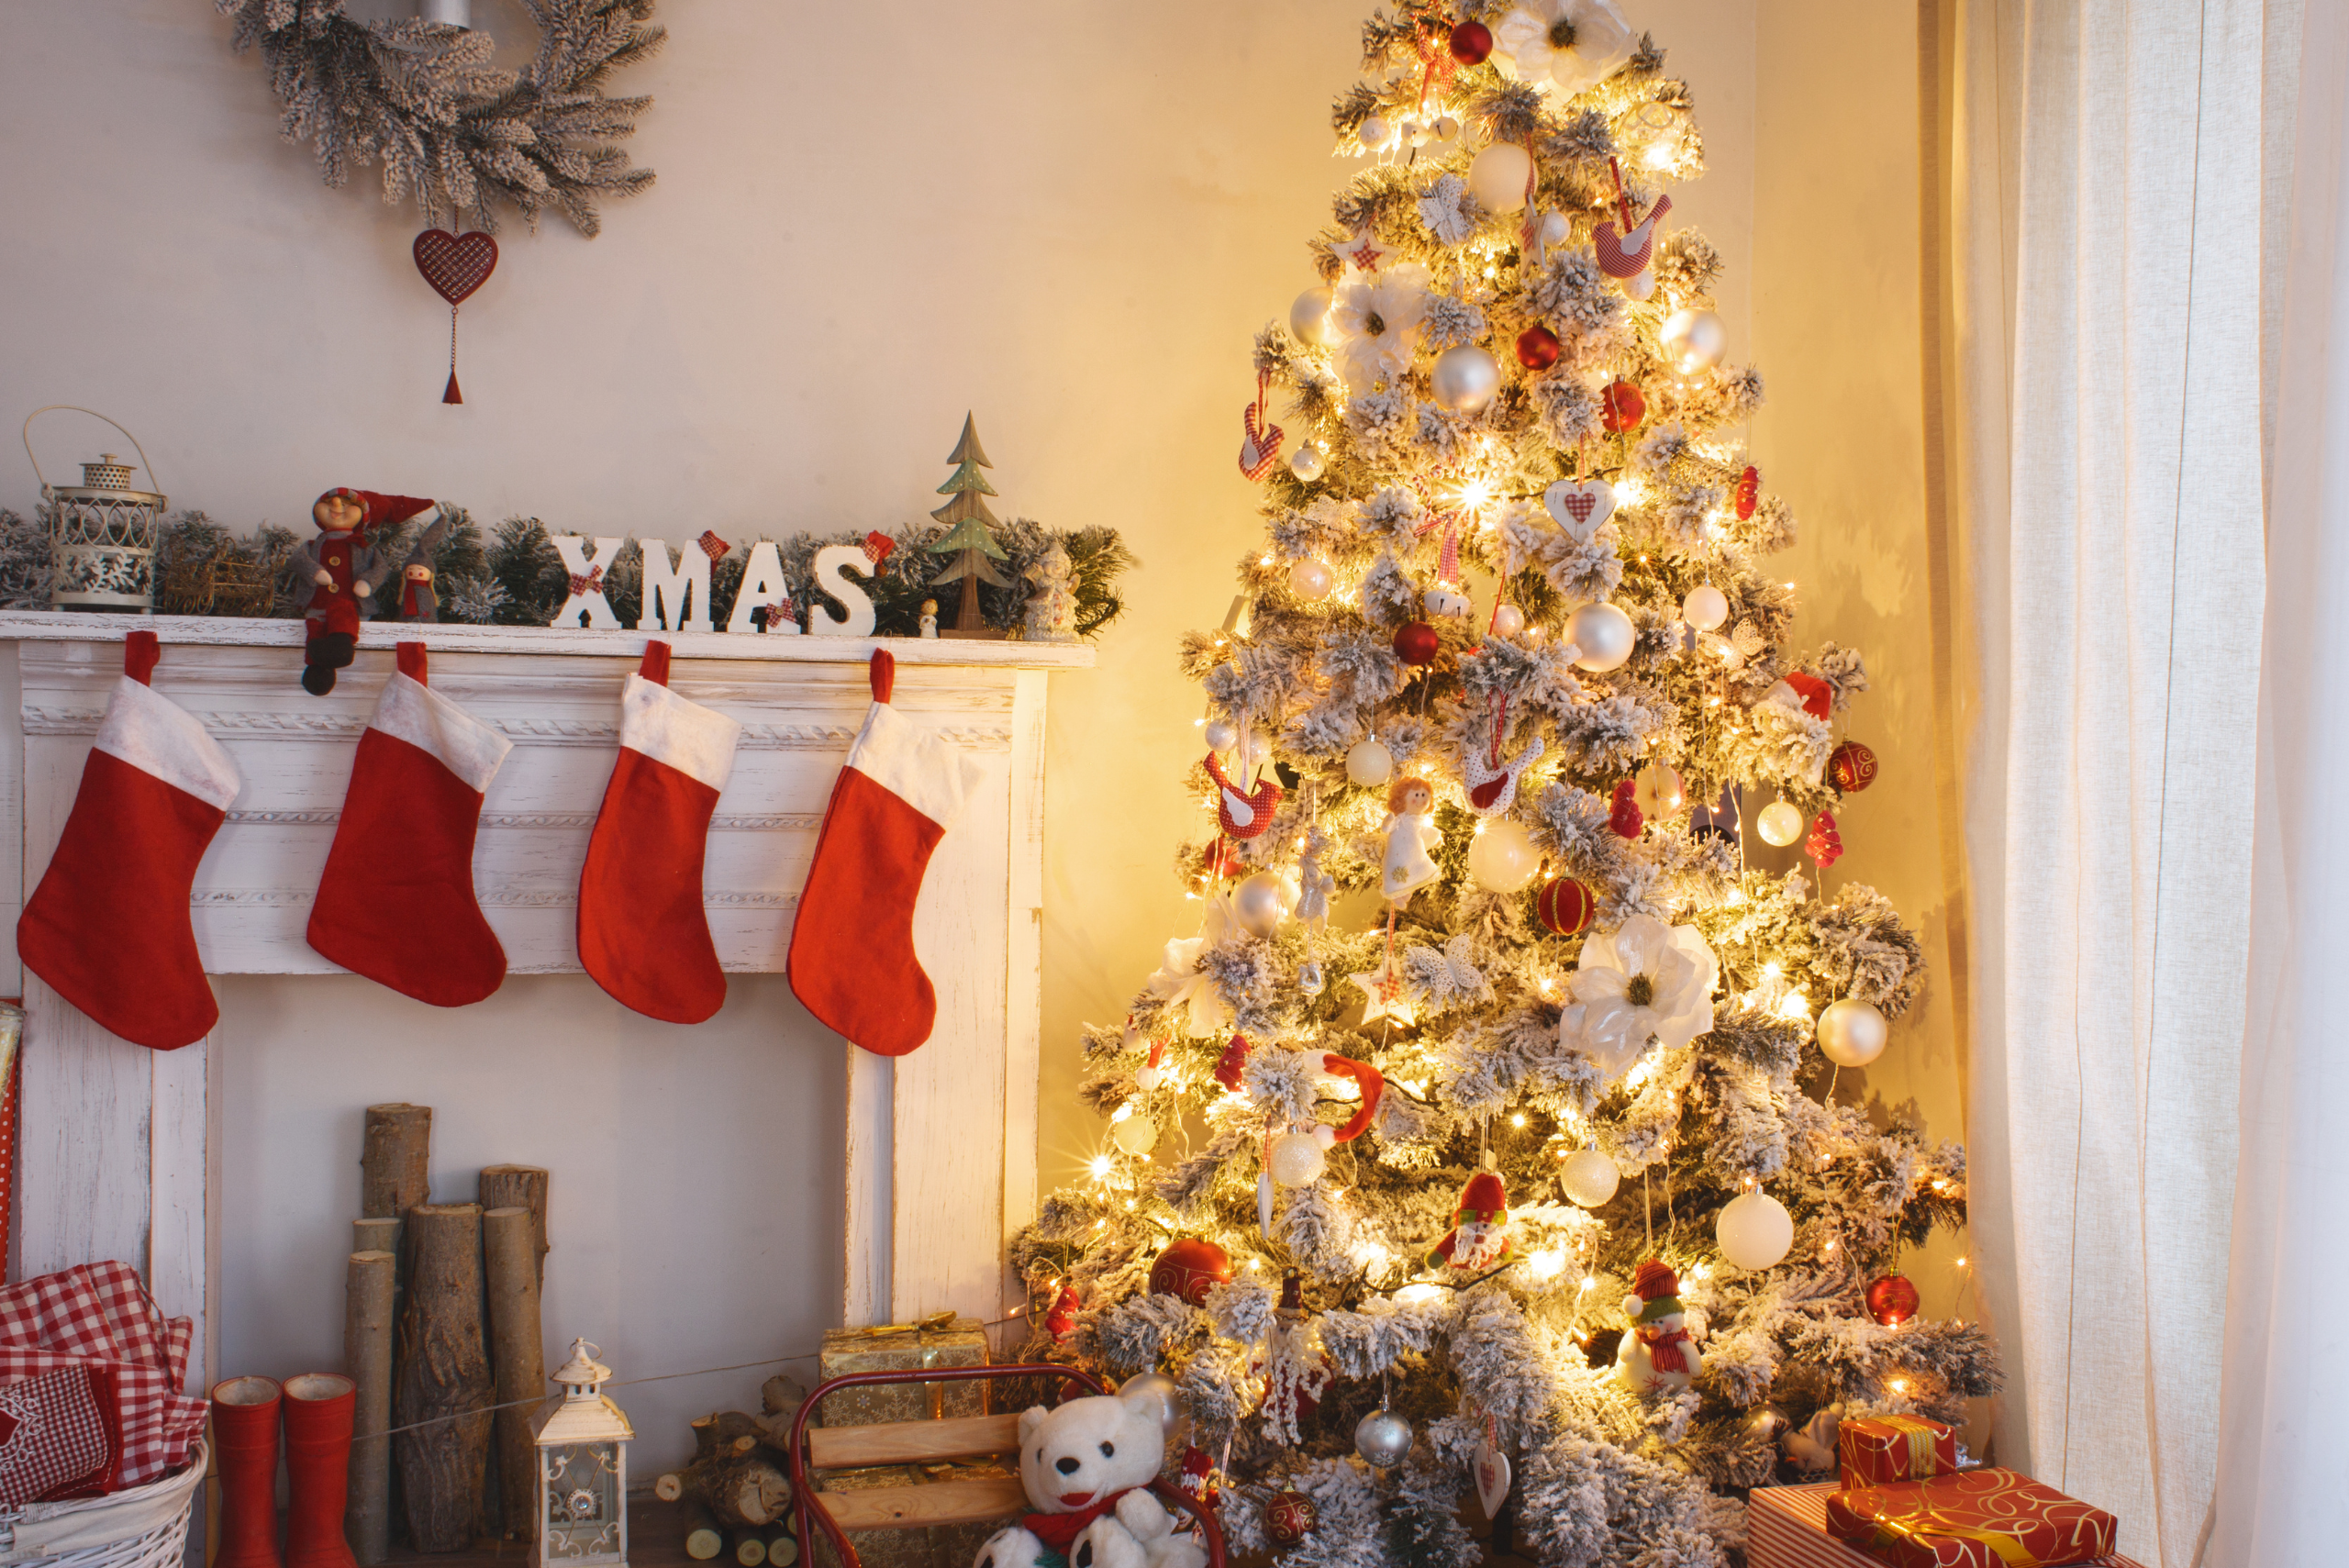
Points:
[(1491, 1089)]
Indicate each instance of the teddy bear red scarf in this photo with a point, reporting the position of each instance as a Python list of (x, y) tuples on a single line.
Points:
[(1059, 1532)]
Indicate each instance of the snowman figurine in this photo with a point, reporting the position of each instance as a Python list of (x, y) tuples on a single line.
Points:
[(1656, 1352), (1411, 832)]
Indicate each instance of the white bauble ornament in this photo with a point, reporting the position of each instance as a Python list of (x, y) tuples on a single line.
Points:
[(1508, 620), (1604, 634), (1307, 461), (1383, 1438), (1309, 318), (1373, 133), (1497, 176), (1222, 735), (1370, 763), (1852, 1033), (1258, 903), (1311, 579), (1298, 1158), (1147, 1077), (1779, 823), (1693, 340), (1502, 858), (1464, 378), (1157, 1388), (1705, 608), (1555, 229), (1136, 1134), (1589, 1178), (1660, 791), (1446, 129), (1755, 1230), (1255, 754)]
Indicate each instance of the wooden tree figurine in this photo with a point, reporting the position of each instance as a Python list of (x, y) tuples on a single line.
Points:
[(970, 537)]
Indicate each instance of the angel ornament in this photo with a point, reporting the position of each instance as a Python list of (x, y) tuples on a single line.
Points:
[(1411, 832), (1314, 886), (1052, 608)]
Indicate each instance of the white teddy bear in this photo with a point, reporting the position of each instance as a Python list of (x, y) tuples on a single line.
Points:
[(1087, 1467)]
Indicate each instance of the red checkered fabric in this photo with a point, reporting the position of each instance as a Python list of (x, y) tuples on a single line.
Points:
[(101, 1315), (878, 546), (712, 545), (588, 581), (54, 1436)]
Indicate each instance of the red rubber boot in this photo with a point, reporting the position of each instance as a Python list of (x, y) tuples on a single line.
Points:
[(244, 1434), (319, 1407)]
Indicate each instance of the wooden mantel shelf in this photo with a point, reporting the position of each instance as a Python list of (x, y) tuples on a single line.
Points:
[(225, 632)]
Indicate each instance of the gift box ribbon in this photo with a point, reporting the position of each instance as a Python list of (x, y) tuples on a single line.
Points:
[(1923, 1456), (1923, 1524)]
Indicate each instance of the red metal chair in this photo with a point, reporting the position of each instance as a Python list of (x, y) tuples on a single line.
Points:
[(928, 1442)]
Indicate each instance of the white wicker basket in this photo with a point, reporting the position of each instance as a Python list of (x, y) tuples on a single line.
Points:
[(143, 1526)]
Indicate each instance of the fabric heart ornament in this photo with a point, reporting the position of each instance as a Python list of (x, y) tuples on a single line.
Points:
[(455, 265), (1580, 505), (1490, 1466)]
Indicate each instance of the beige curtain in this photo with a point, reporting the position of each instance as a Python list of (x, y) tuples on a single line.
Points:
[(2106, 281)]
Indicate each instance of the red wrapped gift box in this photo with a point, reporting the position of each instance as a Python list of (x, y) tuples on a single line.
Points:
[(1875, 1451), (1978, 1518), (1785, 1527)]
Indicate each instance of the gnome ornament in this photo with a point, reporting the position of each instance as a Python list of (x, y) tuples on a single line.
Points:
[(1479, 1235), (1657, 1352), (341, 568)]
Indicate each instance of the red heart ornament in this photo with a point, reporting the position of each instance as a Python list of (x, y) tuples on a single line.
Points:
[(455, 264)]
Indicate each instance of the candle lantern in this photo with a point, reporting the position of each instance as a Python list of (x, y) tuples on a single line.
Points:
[(102, 533), (582, 1439)]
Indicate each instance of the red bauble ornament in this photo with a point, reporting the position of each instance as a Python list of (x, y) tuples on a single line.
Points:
[(1852, 766), (1417, 642), (1222, 859), (1537, 348), (1190, 1267), (1232, 1062), (1565, 906), (1472, 43), (1749, 492), (1625, 819), (1621, 408), (1825, 845), (455, 265), (1291, 1516), (1892, 1300)]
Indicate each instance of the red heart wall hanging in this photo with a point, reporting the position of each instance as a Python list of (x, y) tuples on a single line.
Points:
[(455, 265)]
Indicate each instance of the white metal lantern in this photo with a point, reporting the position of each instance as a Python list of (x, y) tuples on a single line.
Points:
[(582, 1441), (102, 532)]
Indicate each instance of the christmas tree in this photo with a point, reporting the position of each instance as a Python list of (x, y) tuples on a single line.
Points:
[(970, 529), (1490, 1092)]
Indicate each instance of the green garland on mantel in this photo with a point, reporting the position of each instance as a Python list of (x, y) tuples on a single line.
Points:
[(512, 576)]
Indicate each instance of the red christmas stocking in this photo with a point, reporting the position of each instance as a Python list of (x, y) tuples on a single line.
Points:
[(108, 927), (395, 903), (642, 934), (853, 961)]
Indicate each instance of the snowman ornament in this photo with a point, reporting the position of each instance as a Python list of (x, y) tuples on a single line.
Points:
[(1656, 1353)]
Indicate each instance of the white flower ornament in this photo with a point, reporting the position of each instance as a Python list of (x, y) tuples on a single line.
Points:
[(1642, 981), (1189, 991), (1377, 317), (1574, 44)]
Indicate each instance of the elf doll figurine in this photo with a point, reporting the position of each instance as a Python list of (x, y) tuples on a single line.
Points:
[(417, 600), (341, 567)]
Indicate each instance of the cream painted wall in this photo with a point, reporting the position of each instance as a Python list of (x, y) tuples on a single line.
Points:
[(1068, 217)]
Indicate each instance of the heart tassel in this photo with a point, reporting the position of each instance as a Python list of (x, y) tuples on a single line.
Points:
[(452, 392)]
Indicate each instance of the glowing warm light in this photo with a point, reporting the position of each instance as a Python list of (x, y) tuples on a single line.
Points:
[(1588, 1281), (1370, 1254), (1264, 560), (1100, 1165), (1547, 1263), (1410, 1294), (1736, 898), (1898, 1386), (1960, 1263), (1517, 1119), (1476, 495), (1795, 1007), (1659, 155), (1123, 1112)]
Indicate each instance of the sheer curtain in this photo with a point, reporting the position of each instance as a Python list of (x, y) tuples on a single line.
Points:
[(2108, 278)]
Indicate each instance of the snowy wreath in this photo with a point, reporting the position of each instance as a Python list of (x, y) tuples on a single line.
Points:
[(448, 127)]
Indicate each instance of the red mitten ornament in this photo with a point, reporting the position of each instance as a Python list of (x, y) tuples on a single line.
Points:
[(853, 961), (396, 903), (108, 926), (644, 936)]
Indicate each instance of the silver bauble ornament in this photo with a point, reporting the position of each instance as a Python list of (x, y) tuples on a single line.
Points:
[(1464, 378), (1604, 634), (1258, 903), (1136, 1134), (1705, 608), (1778, 823), (1497, 176), (1852, 1033), (1693, 340), (1501, 857), (1311, 579), (1161, 1389), (1309, 318), (1296, 1158), (1383, 1438), (1508, 620), (1369, 764), (1589, 1178), (1221, 735), (1755, 1230)]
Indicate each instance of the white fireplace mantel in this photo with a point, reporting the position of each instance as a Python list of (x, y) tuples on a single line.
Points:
[(119, 1154)]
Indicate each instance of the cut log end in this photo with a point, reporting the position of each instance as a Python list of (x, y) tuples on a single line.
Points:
[(670, 1487), (704, 1539), (751, 1551)]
